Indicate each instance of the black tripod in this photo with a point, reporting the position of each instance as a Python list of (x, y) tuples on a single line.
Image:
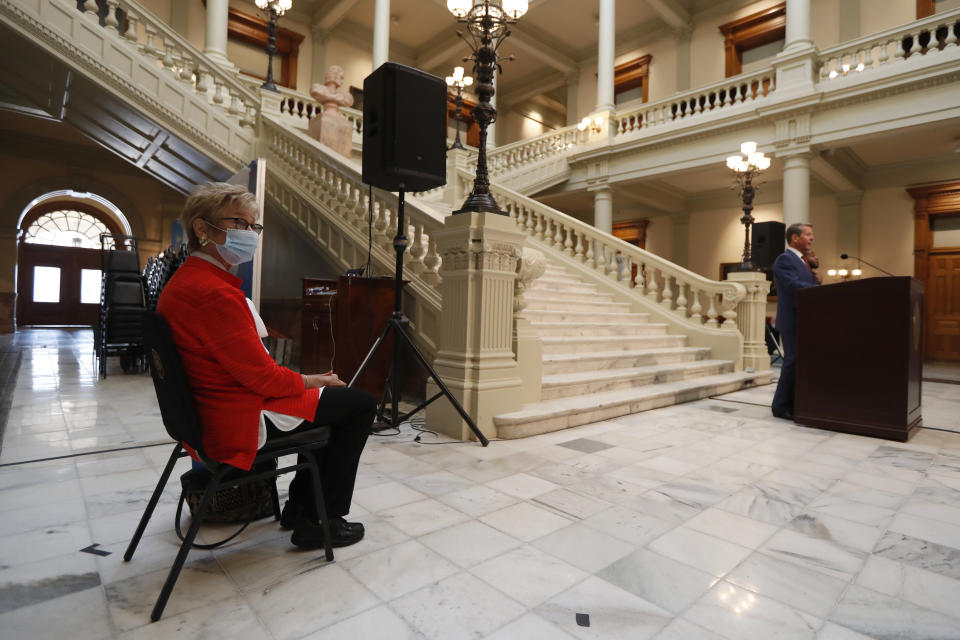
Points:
[(397, 325)]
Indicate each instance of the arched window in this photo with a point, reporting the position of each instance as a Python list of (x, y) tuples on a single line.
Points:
[(66, 228)]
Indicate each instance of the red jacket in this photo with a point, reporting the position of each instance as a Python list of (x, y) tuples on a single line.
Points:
[(231, 375)]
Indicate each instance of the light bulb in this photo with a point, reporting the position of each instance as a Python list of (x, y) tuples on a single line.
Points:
[(842, 273), (764, 163), (598, 120), (467, 81), (833, 74), (748, 147), (515, 8), (733, 162), (458, 73), (856, 273), (755, 158), (831, 272), (459, 8)]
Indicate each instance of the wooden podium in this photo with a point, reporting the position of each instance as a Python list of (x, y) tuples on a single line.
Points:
[(859, 357), (341, 320)]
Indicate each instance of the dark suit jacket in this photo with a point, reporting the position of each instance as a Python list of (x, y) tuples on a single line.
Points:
[(790, 274)]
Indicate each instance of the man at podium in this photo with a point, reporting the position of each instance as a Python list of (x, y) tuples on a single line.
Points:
[(791, 272)]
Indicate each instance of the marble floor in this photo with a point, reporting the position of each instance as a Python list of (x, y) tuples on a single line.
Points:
[(707, 520)]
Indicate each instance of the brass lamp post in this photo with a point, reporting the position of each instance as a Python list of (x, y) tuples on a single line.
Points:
[(275, 8), (459, 81), (487, 22), (745, 169)]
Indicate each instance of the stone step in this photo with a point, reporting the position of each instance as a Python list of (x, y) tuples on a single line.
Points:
[(578, 362), (564, 385), (562, 413), (606, 344), (561, 315), (572, 305), (629, 328), (564, 284), (535, 295)]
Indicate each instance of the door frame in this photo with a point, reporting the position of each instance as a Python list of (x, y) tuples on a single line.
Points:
[(930, 201)]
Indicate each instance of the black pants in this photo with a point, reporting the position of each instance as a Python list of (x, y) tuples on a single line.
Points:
[(349, 414), (783, 398)]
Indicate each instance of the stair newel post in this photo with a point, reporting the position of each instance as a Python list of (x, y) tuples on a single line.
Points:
[(527, 345), (751, 318)]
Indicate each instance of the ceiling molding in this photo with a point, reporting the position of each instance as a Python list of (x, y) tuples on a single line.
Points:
[(529, 86), (671, 13), (348, 30), (542, 46), (440, 49), (331, 13)]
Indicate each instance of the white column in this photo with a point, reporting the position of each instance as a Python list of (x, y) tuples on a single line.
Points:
[(603, 209), (381, 32), (216, 42), (796, 188), (798, 25), (573, 94), (605, 55)]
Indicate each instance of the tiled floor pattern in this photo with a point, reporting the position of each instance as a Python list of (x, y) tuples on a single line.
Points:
[(707, 520)]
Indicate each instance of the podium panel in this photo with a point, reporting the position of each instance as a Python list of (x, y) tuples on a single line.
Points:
[(859, 357)]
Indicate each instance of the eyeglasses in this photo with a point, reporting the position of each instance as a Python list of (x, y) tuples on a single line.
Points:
[(239, 223)]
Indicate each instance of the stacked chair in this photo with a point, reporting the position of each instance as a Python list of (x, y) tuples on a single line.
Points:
[(122, 301), (159, 269)]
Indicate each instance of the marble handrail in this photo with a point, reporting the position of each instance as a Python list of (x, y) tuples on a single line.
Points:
[(691, 299), (891, 46)]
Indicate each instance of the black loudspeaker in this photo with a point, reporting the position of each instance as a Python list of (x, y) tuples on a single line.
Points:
[(768, 242), (404, 129)]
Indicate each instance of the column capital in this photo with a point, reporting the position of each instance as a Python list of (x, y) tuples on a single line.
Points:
[(600, 188)]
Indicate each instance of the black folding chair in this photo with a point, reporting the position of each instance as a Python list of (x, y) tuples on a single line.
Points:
[(180, 420)]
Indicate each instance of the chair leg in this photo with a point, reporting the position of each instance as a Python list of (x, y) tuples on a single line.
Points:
[(320, 503), (186, 545), (276, 499), (152, 504)]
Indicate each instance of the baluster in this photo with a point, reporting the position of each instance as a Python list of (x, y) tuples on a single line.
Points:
[(899, 54), (521, 217), (380, 223), (110, 21), (639, 281), (149, 47), (578, 251), (568, 242), (236, 105), (696, 105), (868, 58), (250, 117), (681, 309), (540, 226), (90, 8), (601, 262), (167, 60), (772, 85), (712, 312), (431, 263), (590, 255), (387, 240), (613, 265), (667, 294), (951, 40), (220, 91), (916, 48), (727, 98), (652, 285), (203, 82), (558, 235), (131, 33)]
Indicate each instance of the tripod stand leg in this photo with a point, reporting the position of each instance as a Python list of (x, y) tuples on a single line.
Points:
[(443, 388), (369, 356)]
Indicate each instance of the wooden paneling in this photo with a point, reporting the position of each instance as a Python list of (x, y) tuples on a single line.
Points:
[(632, 74), (749, 32), (938, 269)]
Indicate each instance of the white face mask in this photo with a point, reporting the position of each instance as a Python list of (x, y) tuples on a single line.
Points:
[(240, 247)]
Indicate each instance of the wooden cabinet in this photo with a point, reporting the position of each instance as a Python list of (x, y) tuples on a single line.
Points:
[(341, 320)]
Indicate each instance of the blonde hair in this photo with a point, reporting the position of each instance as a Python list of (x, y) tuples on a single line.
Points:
[(207, 200)]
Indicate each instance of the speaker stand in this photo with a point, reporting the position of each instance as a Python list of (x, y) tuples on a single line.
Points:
[(397, 326)]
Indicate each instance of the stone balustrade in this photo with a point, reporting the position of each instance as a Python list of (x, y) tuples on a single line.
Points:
[(729, 92), (927, 37), (296, 110), (702, 308)]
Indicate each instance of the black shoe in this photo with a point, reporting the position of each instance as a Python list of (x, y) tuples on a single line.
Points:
[(291, 512), (786, 414), (309, 535)]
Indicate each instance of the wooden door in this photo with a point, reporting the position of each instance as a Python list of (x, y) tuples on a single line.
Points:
[(943, 305), (58, 285)]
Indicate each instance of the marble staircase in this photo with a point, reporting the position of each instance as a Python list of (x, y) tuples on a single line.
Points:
[(602, 360)]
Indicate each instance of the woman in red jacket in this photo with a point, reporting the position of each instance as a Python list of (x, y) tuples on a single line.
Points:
[(233, 378)]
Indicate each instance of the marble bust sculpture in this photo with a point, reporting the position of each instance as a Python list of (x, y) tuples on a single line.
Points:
[(331, 128)]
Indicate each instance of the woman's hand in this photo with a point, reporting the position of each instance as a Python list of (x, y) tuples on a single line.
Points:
[(317, 380)]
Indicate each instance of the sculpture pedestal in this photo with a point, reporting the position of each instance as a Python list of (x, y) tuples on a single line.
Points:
[(334, 131)]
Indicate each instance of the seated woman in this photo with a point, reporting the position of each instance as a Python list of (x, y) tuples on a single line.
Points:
[(233, 379)]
